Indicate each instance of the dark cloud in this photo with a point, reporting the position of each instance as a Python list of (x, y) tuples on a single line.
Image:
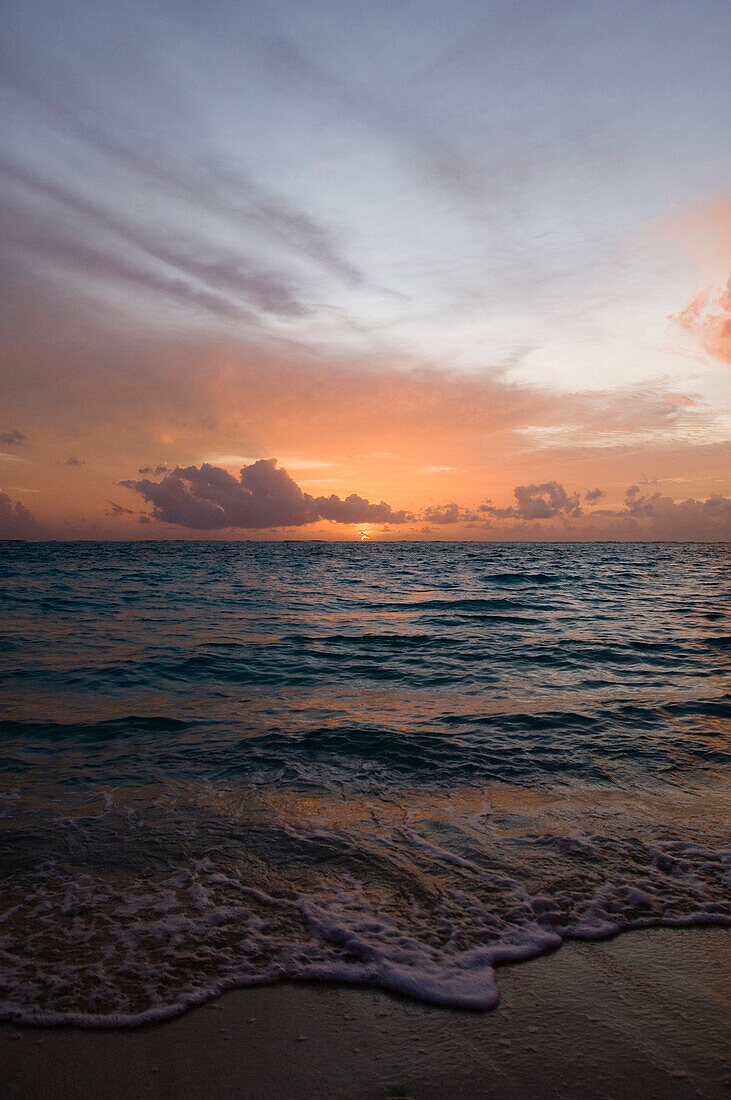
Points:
[(16, 522), (538, 502), (592, 495), (263, 496), (13, 439), (633, 499), (155, 470), (686, 520), (74, 461), (119, 510), (449, 513), (645, 515)]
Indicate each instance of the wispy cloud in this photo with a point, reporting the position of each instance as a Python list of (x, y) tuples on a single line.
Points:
[(214, 268)]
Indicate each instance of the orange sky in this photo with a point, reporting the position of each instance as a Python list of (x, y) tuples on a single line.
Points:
[(416, 281), (96, 405)]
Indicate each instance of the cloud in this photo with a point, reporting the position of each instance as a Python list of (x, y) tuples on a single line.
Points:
[(119, 510), (592, 495), (701, 318), (263, 496), (645, 516), (16, 522), (74, 461), (13, 439), (231, 274), (216, 186), (543, 501), (686, 520), (100, 266), (155, 470), (449, 513)]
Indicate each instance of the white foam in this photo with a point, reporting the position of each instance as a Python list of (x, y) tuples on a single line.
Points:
[(419, 901), (88, 951)]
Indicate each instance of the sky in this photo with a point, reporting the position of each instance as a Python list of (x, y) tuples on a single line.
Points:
[(317, 269)]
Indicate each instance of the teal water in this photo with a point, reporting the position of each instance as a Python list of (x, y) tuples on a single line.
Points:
[(396, 763)]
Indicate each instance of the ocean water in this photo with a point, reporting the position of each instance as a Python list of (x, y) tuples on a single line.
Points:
[(397, 764)]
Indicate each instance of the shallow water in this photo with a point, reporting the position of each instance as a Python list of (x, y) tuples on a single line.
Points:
[(389, 763)]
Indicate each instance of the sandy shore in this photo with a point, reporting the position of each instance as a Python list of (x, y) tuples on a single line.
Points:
[(645, 1015)]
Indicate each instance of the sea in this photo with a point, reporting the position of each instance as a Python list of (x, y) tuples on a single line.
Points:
[(391, 764)]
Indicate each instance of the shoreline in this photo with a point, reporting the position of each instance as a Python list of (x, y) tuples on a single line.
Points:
[(641, 1015)]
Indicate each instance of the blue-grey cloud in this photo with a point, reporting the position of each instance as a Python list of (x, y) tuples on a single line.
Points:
[(100, 264), (230, 273), (195, 174), (262, 497)]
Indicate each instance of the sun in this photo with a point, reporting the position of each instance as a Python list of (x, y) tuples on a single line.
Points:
[(364, 536)]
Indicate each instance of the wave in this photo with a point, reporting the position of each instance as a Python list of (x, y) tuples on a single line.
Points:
[(400, 766), (616, 744), (419, 914)]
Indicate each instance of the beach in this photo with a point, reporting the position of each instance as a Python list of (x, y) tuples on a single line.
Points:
[(643, 1015)]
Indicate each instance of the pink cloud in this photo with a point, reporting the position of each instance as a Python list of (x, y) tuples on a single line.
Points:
[(701, 318)]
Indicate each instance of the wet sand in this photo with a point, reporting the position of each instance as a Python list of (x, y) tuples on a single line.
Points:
[(644, 1015)]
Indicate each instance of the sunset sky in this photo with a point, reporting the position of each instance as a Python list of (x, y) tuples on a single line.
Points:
[(420, 269)]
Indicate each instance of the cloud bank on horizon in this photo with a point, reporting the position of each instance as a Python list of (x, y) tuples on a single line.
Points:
[(470, 260), (261, 498), (265, 498)]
